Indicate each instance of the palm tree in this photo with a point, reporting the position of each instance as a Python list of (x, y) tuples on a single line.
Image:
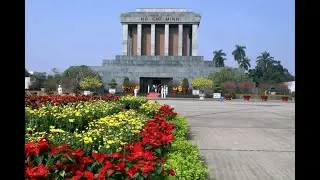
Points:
[(239, 54), (265, 60), (219, 58), (245, 63)]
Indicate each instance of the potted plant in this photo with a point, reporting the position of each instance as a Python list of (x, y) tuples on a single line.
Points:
[(283, 90), (132, 85), (264, 88), (90, 83), (126, 85), (246, 87), (175, 86), (112, 86), (201, 83), (185, 85), (229, 88)]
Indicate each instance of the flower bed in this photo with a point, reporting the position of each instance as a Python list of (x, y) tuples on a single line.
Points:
[(35, 101), (129, 139)]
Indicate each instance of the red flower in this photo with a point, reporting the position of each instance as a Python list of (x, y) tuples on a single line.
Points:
[(131, 172), (120, 166), (43, 145), (58, 149), (149, 156), (78, 176), (99, 157), (116, 155), (78, 153), (37, 172), (108, 165), (147, 168), (88, 175), (167, 139), (86, 160), (171, 172), (110, 172)]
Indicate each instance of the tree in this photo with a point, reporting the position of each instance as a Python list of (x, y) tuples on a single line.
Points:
[(78, 73), (113, 84), (263, 87), (26, 73), (245, 63), (269, 70), (50, 83), (38, 79), (57, 75), (224, 75), (126, 82), (265, 60), (228, 74), (229, 87), (185, 83), (246, 86), (239, 55), (90, 83), (201, 83), (219, 58), (67, 83)]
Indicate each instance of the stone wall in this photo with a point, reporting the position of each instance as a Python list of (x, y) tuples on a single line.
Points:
[(134, 67)]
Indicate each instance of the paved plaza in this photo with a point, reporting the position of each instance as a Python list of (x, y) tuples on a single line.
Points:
[(242, 140)]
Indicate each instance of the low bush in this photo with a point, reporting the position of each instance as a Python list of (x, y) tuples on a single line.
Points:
[(132, 102), (183, 156), (150, 108), (181, 127)]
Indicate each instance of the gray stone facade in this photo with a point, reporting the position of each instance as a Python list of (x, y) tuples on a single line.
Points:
[(134, 67)]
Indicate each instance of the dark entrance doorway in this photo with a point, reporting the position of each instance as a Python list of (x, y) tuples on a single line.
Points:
[(145, 81)]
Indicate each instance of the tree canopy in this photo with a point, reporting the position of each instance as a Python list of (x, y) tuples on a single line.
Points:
[(269, 70), (38, 80), (219, 58), (239, 55), (201, 83), (77, 73), (90, 83)]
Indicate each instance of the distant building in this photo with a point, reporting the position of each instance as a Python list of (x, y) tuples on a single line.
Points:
[(158, 46)]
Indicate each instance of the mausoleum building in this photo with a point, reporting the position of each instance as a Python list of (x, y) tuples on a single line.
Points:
[(158, 46)]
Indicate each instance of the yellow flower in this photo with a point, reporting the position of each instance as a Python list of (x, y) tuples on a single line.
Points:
[(29, 129), (57, 130), (52, 127), (71, 120)]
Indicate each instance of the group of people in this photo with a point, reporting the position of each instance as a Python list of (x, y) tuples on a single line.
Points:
[(156, 88)]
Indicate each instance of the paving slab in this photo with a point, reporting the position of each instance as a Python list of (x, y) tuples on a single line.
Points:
[(242, 140)]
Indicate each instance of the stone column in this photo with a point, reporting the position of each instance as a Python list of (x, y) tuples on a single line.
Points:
[(125, 39), (166, 39), (153, 39), (180, 37), (194, 39), (139, 31)]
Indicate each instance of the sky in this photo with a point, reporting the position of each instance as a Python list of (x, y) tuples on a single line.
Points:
[(61, 33)]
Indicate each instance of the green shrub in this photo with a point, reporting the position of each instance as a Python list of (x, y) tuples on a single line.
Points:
[(181, 127), (185, 83), (183, 156), (150, 108), (184, 159), (132, 102)]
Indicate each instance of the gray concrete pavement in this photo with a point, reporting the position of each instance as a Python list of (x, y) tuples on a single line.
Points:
[(243, 140)]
